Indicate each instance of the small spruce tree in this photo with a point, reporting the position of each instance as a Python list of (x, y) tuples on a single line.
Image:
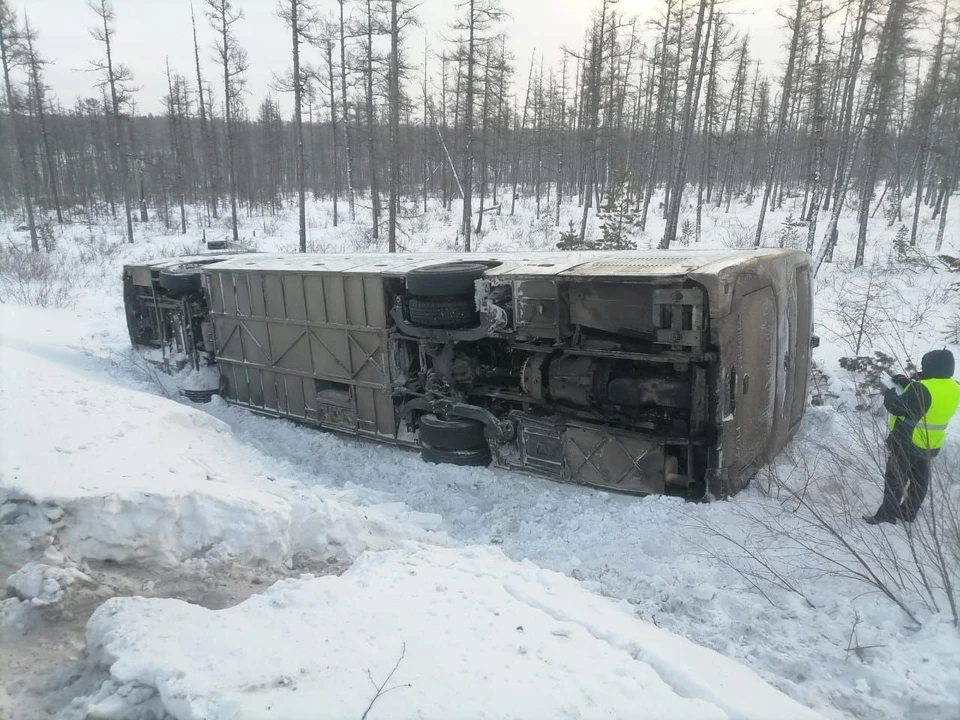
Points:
[(617, 218)]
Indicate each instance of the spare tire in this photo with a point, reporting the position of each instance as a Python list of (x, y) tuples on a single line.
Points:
[(454, 433), (456, 278), (476, 458), (449, 312), (180, 281)]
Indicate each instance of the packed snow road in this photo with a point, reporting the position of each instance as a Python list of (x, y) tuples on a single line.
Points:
[(99, 459)]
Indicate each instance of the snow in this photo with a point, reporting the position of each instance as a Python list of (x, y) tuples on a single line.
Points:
[(42, 584), (206, 378), (102, 461), (125, 475), (468, 630)]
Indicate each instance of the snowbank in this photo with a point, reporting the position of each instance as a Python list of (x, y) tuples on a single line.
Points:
[(109, 472), (466, 632)]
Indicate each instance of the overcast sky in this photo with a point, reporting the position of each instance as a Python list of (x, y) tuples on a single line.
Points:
[(147, 31)]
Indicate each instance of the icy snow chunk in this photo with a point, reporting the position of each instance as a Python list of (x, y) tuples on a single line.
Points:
[(460, 629), (206, 378), (44, 585), (9, 511)]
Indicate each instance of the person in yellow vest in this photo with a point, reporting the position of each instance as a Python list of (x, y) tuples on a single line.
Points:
[(920, 411)]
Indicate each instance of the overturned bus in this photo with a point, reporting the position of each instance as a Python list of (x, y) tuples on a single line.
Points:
[(642, 372)]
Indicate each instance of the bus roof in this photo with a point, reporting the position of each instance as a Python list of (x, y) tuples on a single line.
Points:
[(549, 264)]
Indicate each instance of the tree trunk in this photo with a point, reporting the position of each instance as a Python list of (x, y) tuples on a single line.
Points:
[(394, 126), (27, 180), (484, 127), (467, 179), (785, 99), (659, 119), (891, 46), (846, 111), (371, 128), (926, 112), (819, 132), (689, 121), (118, 132), (298, 125), (33, 62), (593, 87), (208, 155), (347, 149), (228, 115), (520, 122)]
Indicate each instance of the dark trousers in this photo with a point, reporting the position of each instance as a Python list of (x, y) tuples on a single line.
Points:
[(905, 483)]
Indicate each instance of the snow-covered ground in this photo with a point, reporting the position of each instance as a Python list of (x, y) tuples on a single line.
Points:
[(112, 485)]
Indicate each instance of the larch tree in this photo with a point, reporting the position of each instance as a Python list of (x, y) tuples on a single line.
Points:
[(11, 55), (659, 117), (301, 20), (232, 59), (369, 27), (818, 126), (38, 91), (478, 18), (177, 102), (345, 108), (926, 110), (891, 46), (798, 28), (688, 121), (207, 149), (117, 79), (401, 16), (327, 43)]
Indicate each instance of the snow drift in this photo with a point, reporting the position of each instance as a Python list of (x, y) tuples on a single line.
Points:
[(466, 632), (108, 472)]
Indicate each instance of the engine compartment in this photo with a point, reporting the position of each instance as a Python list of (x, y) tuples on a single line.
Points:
[(615, 364)]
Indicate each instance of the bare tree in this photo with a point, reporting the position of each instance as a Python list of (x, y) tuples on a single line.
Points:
[(208, 153), (118, 79), (177, 110), (818, 127), (926, 109), (233, 63), (798, 35), (891, 46), (327, 44), (659, 118), (593, 73), (38, 89), (347, 148), (394, 83), (371, 26), (300, 19), (11, 54), (690, 103), (478, 18)]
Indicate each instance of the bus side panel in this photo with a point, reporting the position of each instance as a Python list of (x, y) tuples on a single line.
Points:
[(307, 346)]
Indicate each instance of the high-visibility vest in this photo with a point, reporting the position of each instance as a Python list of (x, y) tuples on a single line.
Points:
[(930, 430)]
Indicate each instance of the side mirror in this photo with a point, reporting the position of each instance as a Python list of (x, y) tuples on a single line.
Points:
[(815, 341)]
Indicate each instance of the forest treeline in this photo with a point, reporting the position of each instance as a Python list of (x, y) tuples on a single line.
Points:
[(862, 112)]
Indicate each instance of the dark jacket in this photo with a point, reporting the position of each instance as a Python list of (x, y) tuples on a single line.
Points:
[(914, 403)]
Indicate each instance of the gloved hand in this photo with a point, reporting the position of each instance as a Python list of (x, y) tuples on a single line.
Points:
[(901, 380)]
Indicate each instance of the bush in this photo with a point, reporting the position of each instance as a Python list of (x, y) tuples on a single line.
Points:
[(805, 526), (38, 279), (96, 248)]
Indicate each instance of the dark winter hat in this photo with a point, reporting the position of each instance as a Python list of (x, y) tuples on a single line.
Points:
[(938, 364)]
